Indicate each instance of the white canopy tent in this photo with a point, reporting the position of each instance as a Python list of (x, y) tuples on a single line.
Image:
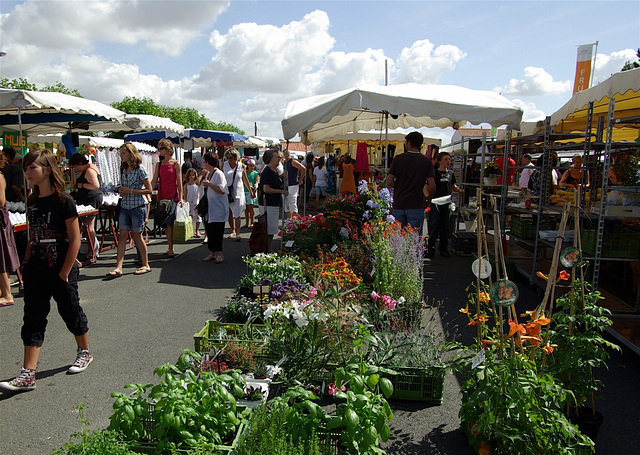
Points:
[(145, 122), (324, 117), (90, 141), (50, 112)]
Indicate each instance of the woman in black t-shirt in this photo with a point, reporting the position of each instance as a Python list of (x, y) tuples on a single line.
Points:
[(50, 268), (271, 189), (440, 208)]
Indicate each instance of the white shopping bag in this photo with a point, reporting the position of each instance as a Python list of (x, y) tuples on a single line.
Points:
[(182, 213)]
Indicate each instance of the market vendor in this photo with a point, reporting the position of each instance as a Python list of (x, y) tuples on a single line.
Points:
[(572, 177)]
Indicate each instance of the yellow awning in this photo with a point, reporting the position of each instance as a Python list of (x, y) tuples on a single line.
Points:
[(624, 87)]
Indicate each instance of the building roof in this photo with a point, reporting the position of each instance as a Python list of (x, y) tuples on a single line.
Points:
[(296, 146)]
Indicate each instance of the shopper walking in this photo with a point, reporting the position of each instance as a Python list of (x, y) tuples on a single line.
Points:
[(295, 173), (271, 189), (9, 260), (237, 181), (251, 195), (440, 209), (134, 184), (50, 268), (412, 178), (168, 176), (216, 189), (88, 191)]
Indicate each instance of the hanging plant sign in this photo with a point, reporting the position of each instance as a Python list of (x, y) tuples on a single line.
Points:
[(504, 293), (570, 256), (481, 268)]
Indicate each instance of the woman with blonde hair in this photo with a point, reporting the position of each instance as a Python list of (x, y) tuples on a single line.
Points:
[(237, 181), (50, 268), (134, 185)]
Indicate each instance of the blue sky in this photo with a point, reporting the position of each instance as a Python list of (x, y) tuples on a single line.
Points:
[(242, 61)]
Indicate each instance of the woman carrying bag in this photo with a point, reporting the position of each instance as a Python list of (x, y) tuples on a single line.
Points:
[(215, 186), (169, 180)]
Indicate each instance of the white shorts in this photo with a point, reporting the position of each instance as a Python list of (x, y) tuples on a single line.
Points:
[(291, 201)]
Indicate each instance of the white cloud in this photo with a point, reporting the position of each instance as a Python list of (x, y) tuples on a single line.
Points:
[(265, 58), (423, 64), (536, 82), (57, 28), (606, 65), (530, 112)]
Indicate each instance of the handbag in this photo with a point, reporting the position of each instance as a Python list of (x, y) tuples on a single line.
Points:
[(203, 205), (183, 226), (232, 189)]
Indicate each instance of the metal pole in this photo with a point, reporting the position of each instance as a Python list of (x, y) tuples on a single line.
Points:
[(595, 55)]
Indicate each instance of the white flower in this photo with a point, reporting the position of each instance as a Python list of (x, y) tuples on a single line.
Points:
[(300, 318), (401, 300), (273, 371), (271, 311)]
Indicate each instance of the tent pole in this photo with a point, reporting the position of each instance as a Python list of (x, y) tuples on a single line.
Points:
[(24, 176), (386, 143)]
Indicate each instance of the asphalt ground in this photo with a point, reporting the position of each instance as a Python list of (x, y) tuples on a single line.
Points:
[(140, 322)]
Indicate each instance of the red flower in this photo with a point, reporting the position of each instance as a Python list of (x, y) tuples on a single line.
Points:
[(564, 275)]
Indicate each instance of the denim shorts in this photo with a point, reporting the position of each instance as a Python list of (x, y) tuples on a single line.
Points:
[(132, 219)]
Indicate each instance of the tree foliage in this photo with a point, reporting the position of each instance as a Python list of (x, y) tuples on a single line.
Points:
[(629, 65), (186, 116), (23, 84)]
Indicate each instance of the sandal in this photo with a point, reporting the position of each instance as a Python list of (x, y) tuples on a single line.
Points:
[(5, 302), (210, 257), (219, 259), (114, 274), (170, 254), (142, 270), (231, 236)]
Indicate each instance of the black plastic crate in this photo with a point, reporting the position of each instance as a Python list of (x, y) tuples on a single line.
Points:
[(464, 243)]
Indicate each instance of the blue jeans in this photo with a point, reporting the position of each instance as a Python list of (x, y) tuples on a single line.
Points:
[(132, 219), (413, 217)]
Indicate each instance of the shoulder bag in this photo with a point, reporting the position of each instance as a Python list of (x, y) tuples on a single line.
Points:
[(203, 205), (232, 189)]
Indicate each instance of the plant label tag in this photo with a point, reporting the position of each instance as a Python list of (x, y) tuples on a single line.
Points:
[(478, 359), (373, 272), (289, 244), (334, 248)]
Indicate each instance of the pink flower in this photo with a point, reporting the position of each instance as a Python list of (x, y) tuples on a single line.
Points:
[(333, 389), (313, 292), (389, 303), (375, 296)]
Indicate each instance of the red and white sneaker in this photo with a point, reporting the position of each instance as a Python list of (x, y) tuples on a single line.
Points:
[(24, 382), (83, 359)]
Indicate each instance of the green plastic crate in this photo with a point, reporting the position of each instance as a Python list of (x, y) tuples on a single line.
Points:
[(216, 334), (418, 384), (524, 226), (617, 242)]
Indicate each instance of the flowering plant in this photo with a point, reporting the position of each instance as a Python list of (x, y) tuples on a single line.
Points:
[(271, 266), (492, 169)]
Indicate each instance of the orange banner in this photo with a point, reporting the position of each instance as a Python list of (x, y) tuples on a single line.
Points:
[(583, 68)]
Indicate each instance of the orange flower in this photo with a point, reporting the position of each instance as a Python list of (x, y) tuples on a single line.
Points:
[(543, 321), (486, 343), (535, 341), (564, 275), (485, 449), (484, 297), (472, 322), (528, 313), (514, 327), (464, 310), (548, 349), (542, 275), (483, 318), (532, 329)]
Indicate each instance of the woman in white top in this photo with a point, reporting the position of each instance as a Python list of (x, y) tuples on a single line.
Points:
[(237, 181), (319, 181), (215, 185)]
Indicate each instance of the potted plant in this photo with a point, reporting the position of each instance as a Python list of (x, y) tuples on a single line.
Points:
[(577, 333), (491, 173)]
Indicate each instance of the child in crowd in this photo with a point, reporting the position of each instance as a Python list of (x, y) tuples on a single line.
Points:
[(250, 194), (192, 193), (50, 268)]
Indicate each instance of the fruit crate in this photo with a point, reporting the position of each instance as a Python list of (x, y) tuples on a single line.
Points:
[(524, 226), (418, 384), (216, 334), (464, 243), (617, 242)]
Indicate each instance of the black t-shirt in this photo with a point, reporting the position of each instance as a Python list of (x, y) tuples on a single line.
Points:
[(186, 166), (444, 183), (13, 174), (271, 178), (411, 171), (47, 223)]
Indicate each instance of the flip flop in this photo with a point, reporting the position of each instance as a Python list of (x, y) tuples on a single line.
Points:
[(142, 270), (231, 237), (210, 257), (171, 255), (4, 302), (114, 274)]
